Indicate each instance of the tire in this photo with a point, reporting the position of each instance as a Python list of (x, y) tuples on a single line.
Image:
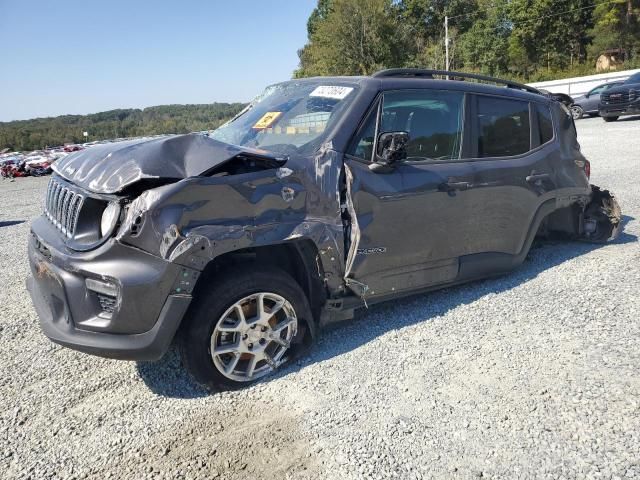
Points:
[(576, 112), (610, 119), (224, 317)]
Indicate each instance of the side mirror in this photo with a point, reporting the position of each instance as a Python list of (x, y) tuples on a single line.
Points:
[(390, 148)]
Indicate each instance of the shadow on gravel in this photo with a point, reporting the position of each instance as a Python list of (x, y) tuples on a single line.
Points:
[(167, 377), (10, 223), (629, 119)]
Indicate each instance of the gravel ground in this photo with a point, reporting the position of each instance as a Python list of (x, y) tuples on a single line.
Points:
[(531, 375)]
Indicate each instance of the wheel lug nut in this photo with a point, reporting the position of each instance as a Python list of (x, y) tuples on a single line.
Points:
[(253, 326), (244, 337), (250, 346), (264, 329)]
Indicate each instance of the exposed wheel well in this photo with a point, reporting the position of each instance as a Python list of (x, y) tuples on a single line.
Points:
[(299, 259), (562, 222)]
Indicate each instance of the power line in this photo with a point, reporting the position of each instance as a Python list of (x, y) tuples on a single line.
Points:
[(512, 23), (525, 22), (477, 12), (540, 17), (566, 11)]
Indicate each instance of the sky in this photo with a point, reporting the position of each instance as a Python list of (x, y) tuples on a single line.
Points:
[(68, 56)]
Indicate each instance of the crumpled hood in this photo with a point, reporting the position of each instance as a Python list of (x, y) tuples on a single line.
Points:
[(112, 167)]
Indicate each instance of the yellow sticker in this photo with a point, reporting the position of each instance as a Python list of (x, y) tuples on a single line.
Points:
[(267, 119)]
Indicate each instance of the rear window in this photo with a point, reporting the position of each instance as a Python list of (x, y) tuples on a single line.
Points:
[(503, 127), (545, 124)]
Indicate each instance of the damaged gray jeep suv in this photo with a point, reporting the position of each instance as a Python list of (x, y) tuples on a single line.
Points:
[(322, 196)]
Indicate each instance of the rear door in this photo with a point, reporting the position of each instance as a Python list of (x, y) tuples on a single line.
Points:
[(512, 145), (471, 184)]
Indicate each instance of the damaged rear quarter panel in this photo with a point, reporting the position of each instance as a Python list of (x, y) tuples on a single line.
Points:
[(197, 219)]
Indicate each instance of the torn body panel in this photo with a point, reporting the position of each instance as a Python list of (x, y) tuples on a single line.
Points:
[(602, 217), (196, 220), (595, 218), (352, 236)]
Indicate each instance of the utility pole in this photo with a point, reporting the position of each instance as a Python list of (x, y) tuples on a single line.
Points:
[(446, 42)]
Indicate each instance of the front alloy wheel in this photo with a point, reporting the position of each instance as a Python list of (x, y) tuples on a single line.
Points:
[(243, 325), (253, 336)]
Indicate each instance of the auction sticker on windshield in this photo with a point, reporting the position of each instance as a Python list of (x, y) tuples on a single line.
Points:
[(326, 91), (267, 119)]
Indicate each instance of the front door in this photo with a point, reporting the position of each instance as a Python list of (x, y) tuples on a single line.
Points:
[(592, 99)]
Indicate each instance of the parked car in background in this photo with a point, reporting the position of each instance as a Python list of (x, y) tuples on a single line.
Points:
[(563, 98), (73, 148), (588, 103), (621, 100), (13, 168)]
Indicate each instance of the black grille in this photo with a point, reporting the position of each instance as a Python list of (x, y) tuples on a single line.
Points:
[(107, 303), (613, 98), (62, 206)]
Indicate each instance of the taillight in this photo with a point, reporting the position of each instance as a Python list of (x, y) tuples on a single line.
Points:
[(587, 168)]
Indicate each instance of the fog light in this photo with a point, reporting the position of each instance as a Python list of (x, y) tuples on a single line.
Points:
[(98, 286), (107, 295)]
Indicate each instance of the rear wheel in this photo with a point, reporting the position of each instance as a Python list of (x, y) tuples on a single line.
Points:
[(610, 119), (576, 112), (244, 327)]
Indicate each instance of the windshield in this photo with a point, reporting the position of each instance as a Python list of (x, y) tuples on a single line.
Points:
[(289, 117), (635, 78)]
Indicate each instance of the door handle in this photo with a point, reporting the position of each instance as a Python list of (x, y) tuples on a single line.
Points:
[(451, 186), (537, 177)]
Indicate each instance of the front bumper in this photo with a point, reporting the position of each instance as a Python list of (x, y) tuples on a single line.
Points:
[(146, 296), (617, 110)]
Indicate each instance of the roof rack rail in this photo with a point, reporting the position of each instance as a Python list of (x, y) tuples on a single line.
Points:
[(429, 74)]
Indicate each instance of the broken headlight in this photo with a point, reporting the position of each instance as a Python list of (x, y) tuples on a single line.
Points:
[(109, 219)]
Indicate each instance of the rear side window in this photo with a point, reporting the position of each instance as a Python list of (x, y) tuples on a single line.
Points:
[(545, 124), (503, 127)]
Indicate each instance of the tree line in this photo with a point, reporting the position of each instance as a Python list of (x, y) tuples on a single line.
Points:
[(54, 131), (529, 40)]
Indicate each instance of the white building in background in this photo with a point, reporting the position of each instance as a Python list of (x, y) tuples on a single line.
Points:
[(581, 85)]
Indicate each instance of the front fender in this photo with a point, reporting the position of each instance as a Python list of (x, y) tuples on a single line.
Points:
[(194, 221)]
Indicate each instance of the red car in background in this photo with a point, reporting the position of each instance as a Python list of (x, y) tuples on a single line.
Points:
[(72, 148)]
